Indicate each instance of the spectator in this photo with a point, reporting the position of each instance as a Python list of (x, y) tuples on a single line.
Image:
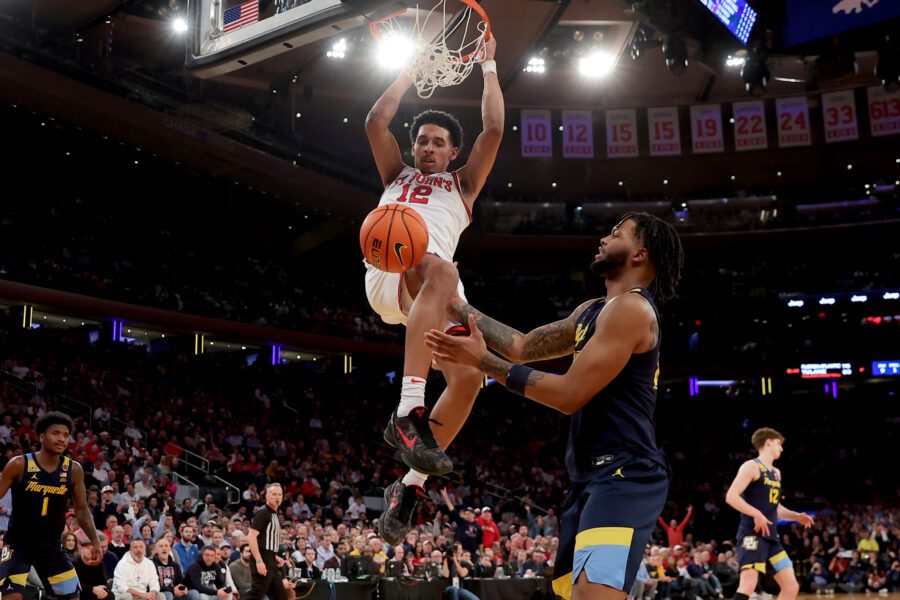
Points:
[(308, 568), (357, 508), (171, 577), (674, 530), (109, 560), (186, 549), (70, 546), (105, 510), (534, 564), (135, 576), (240, 570), (91, 574), (490, 533), (207, 576), (117, 544), (521, 541), (818, 579)]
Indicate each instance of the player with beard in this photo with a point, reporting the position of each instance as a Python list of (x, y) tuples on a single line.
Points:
[(619, 478)]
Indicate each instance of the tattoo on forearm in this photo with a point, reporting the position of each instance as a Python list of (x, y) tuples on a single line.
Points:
[(494, 366), (534, 377), (547, 341), (498, 336)]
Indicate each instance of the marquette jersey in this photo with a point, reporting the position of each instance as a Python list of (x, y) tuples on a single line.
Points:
[(763, 494), (39, 504), (620, 417), (438, 199)]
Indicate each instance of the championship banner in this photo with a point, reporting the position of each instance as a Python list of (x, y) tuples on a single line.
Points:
[(884, 111), (665, 135), (578, 134), (839, 112), (750, 125), (706, 128), (793, 122), (621, 133), (536, 138)]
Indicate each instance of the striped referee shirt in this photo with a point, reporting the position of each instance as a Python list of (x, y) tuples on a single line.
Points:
[(265, 521)]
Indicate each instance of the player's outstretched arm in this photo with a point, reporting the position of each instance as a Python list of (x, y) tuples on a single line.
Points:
[(481, 160), (12, 473), (548, 341), (789, 515), (620, 330), (384, 145), (82, 512)]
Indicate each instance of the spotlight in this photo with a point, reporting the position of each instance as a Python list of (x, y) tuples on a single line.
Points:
[(596, 64), (179, 25), (536, 64), (755, 74), (887, 69), (675, 51), (733, 62), (394, 51), (338, 50)]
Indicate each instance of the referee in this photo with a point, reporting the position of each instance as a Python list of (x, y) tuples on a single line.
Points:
[(264, 539)]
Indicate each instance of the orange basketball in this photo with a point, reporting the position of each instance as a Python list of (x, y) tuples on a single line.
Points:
[(393, 238)]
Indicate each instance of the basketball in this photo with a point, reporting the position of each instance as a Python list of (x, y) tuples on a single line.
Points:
[(393, 238)]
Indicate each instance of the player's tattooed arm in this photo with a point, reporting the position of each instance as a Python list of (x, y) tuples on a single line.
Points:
[(548, 341), (497, 368), (82, 512)]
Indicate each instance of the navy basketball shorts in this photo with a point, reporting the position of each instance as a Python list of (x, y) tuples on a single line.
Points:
[(754, 552), (51, 564), (607, 521)]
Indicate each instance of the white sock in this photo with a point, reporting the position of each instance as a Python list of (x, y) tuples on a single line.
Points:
[(415, 478), (412, 395)]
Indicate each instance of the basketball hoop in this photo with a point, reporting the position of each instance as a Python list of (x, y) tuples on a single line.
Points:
[(443, 54)]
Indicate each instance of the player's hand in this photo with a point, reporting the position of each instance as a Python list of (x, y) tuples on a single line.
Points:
[(463, 350), (96, 553), (490, 47), (761, 524), (100, 591), (261, 568), (805, 520)]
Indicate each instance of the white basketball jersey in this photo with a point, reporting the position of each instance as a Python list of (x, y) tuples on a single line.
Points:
[(438, 199)]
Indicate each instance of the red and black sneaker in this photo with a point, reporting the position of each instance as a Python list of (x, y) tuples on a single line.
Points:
[(412, 436), (396, 521)]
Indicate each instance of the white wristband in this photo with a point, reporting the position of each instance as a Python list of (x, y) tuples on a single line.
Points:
[(488, 66)]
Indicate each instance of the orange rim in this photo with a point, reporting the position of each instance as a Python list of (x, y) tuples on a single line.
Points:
[(473, 4)]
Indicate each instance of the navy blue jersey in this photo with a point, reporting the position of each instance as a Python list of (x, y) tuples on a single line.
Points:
[(39, 504), (763, 494), (620, 417)]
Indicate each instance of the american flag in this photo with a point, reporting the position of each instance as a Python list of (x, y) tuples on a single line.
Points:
[(243, 14)]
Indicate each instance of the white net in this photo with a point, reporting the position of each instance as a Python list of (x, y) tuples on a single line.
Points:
[(440, 60)]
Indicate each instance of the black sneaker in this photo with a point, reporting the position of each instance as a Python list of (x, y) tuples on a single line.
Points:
[(418, 448), (397, 519)]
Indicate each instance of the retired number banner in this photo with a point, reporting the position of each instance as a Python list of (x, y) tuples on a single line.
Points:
[(839, 112), (884, 111), (750, 125), (706, 128), (537, 140), (621, 133), (578, 134), (665, 135), (793, 122)]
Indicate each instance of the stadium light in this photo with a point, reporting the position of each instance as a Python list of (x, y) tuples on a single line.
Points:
[(536, 64), (179, 25), (339, 49), (394, 51), (596, 64), (733, 62)]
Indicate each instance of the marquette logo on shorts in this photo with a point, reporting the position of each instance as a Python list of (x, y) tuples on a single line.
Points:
[(40, 488), (750, 542)]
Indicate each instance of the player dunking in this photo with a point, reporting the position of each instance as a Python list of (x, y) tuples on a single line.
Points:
[(419, 297), (756, 494), (41, 485), (619, 478)]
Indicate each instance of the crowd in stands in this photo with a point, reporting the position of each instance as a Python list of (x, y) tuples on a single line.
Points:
[(496, 515)]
